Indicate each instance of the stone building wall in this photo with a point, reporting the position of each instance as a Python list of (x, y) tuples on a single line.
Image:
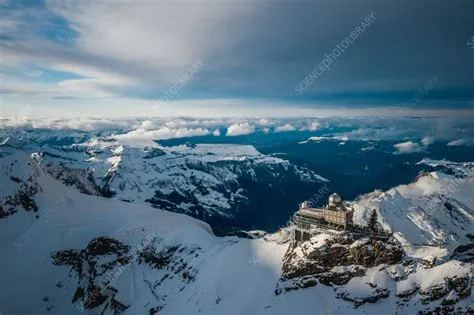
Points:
[(336, 217)]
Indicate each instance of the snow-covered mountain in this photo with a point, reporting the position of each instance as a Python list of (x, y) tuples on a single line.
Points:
[(214, 182), (437, 209), (65, 252)]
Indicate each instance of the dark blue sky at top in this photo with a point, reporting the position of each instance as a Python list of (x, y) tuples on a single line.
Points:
[(258, 50)]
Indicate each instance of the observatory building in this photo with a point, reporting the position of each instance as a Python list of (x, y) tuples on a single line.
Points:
[(335, 214)]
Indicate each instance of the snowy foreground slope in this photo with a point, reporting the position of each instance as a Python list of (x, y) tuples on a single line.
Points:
[(64, 252)]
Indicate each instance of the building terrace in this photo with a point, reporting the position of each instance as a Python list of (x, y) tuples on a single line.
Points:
[(336, 215)]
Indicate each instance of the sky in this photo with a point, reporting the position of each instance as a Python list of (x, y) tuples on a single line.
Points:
[(76, 58)]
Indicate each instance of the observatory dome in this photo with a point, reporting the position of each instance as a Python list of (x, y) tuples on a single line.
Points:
[(334, 200)]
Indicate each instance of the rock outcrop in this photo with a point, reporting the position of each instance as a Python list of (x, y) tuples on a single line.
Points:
[(324, 252), (100, 264), (367, 270)]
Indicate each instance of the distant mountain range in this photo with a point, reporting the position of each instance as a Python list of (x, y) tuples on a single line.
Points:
[(222, 184)]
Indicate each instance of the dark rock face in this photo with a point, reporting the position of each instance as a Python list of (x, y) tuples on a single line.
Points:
[(95, 280), (446, 291), (375, 268), (379, 294), (341, 277), (331, 255), (464, 253), (376, 253), (84, 262), (296, 284), (340, 251), (80, 179), (451, 291), (461, 285), (24, 197), (434, 293), (448, 310), (405, 295), (151, 153), (334, 261)]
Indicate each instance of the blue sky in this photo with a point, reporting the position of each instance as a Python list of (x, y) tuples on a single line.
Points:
[(121, 57)]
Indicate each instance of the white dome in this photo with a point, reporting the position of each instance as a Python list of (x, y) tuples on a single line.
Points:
[(334, 200)]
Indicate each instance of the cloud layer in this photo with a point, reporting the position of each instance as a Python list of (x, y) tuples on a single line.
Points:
[(409, 135)]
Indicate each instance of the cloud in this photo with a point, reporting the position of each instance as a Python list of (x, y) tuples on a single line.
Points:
[(240, 129), (216, 133), (34, 73), (311, 126), (427, 141), (285, 128), (314, 126), (149, 125), (80, 123), (264, 122), (461, 142), (140, 135), (322, 138), (408, 147)]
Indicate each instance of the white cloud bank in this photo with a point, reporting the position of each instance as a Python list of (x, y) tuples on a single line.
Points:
[(453, 132), (265, 122), (427, 141), (323, 138), (240, 129), (285, 128), (461, 142), (140, 136), (414, 147), (314, 126), (408, 147)]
